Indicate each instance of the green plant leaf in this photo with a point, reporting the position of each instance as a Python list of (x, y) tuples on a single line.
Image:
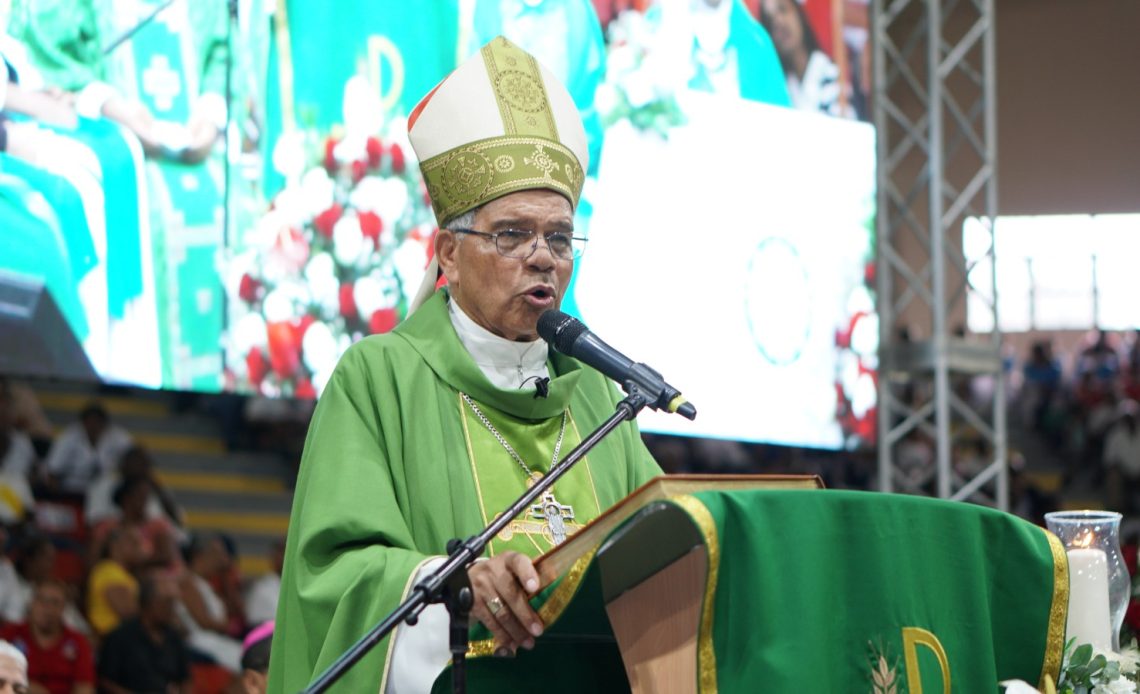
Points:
[(1082, 655)]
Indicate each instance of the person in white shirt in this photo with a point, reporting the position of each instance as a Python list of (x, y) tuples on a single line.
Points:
[(85, 450), (261, 600)]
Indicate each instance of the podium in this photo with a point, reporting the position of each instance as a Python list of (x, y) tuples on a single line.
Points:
[(750, 584)]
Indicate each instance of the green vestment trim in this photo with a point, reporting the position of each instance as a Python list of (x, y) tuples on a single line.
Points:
[(386, 480)]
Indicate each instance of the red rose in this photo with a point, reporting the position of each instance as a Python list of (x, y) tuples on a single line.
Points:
[(371, 226), (359, 170), (347, 301), (326, 220), (256, 365), (869, 274), (284, 350), (330, 158), (375, 150), (305, 390), (397, 155), (383, 320), (300, 326), (249, 289)]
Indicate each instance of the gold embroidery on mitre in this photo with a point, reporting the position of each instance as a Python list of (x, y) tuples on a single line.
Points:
[(520, 90), (467, 175), (542, 161), (473, 174)]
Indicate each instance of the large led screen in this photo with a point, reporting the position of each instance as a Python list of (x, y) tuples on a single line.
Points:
[(220, 196)]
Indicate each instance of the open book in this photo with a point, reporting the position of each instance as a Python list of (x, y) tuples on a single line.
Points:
[(555, 562)]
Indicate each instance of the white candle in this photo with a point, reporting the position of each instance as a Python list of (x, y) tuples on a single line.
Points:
[(1089, 620)]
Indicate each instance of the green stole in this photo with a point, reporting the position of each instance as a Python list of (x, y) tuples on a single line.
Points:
[(500, 480)]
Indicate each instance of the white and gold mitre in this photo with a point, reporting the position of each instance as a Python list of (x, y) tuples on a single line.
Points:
[(499, 123)]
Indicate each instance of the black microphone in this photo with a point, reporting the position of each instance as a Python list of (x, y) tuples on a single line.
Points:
[(571, 337)]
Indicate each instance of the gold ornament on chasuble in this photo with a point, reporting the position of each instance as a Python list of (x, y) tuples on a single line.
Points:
[(528, 155), (499, 480)]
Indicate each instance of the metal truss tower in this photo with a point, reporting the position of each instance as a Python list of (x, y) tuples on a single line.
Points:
[(940, 388)]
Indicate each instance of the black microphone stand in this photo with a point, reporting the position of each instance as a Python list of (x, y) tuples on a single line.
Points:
[(449, 583)]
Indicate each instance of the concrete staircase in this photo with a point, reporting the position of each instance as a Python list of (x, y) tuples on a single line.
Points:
[(243, 495)]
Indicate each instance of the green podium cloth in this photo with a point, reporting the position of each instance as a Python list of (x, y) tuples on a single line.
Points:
[(826, 591)]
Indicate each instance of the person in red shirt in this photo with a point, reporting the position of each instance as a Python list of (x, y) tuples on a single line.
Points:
[(59, 659)]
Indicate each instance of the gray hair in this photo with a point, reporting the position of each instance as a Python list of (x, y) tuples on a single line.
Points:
[(463, 221), (7, 650)]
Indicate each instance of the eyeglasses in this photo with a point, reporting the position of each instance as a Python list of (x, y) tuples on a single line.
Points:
[(518, 243)]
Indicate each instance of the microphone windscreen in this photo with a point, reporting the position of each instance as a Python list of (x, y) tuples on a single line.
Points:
[(560, 330)]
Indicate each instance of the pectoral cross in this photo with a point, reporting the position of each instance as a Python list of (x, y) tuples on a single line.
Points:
[(554, 514)]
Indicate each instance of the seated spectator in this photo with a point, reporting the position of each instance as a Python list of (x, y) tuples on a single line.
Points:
[(202, 610), (1122, 458), (261, 600), (146, 653), (17, 455), (85, 450), (59, 659), (13, 670), (35, 563), (9, 579), (255, 659), (28, 417), (17, 458), (135, 463), (112, 591), (1042, 374), (157, 546)]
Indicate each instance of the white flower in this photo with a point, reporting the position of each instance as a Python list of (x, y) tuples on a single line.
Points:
[(1129, 659), (391, 200), (859, 300), (863, 395), (249, 332), (289, 154), (865, 338), (318, 348), (290, 206), (348, 240), (1018, 687), (363, 110), (606, 98), (1117, 686), (410, 263), (366, 193), (372, 293), (278, 306), (317, 191), (323, 284)]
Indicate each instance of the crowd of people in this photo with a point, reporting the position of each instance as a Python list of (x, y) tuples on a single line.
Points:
[(1087, 411), (124, 598)]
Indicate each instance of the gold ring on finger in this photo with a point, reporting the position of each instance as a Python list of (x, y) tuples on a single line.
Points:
[(495, 606)]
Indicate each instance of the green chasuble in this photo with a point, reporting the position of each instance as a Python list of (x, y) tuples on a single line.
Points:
[(396, 464)]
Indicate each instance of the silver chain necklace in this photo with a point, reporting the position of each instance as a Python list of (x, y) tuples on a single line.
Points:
[(531, 475)]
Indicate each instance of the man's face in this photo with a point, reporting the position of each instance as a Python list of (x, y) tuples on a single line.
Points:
[(161, 608), (507, 295), (13, 678), (46, 610)]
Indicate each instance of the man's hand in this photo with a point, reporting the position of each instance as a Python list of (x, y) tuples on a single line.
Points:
[(502, 586)]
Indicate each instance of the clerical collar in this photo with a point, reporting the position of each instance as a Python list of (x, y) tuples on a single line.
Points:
[(506, 364)]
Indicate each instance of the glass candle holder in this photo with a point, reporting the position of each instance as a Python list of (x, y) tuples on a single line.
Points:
[(1099, 584)]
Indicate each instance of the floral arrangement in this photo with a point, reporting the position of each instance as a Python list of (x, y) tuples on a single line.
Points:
[(1085, 671), (338, 256), (641, 76)]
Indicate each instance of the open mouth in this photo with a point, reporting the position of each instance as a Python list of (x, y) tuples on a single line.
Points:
[(540, 295)]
